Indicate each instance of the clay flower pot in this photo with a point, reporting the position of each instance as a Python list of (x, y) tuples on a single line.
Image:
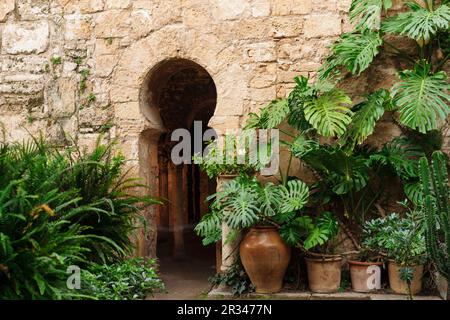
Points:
[(265, 258), (324, 274), (365, 276), (400, 286)]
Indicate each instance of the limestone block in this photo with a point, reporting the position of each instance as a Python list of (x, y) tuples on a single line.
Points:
[(105, 46), (33, 9), (128, 110), (290, 26), (124, 94), (25, 37), (78, 27), (118, 4), (322, 25), (260, 8), (288, 7), (6, 6), (344, 5), (104, 65), (62, 98), (260, 52), (230, 9), (82, 6), (23, 64), (112, 23)]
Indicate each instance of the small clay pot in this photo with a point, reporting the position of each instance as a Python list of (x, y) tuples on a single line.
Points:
[(265, 258), (400, 286), (324, 274), (365, 276)]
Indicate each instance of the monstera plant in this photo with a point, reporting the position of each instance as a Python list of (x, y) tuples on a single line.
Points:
[(245, 203)]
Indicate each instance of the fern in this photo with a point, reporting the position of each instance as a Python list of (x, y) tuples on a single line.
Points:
[(420, 24), (367, 13), (330, 113), (422, 98), (354, 51)]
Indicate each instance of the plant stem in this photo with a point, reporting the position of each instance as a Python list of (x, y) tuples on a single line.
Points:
[(400, 52), (442, 63)]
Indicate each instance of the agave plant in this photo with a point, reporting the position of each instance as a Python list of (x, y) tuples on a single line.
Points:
[(244, 202)]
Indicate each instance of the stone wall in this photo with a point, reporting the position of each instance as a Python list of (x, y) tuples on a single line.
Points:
[(77, 69), (78, 66)]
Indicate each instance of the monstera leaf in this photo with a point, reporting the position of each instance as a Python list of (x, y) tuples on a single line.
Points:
[(365, 118), (329, 113), (402, 156), (367, 13), (422, 98), (294, 196), (420, 24), (344, 173), (354, 51)]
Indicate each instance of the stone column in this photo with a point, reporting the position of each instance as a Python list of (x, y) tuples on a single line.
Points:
[(178, 214), (229, 251)]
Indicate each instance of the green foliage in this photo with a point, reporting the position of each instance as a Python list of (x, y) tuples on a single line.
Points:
[(320, 106), (244, 202), (367, 13), (366, 115), (235, 278), (419, 23), (233, 156), (313, 234), (421, 98), (354, 51), (131, 279), (329, 113), (402, 239), (60, 207), (435, 188)]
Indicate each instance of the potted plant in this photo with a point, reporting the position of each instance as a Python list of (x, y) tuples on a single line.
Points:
[(402, 240), (322, 264), (245, 203), (436, 195)]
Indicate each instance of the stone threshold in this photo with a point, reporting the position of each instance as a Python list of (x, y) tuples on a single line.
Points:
[(223, 293)]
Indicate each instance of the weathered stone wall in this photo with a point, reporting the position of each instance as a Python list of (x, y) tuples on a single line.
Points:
[(51, 50), (75, 69)]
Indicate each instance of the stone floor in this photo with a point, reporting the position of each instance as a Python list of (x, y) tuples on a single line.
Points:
[(220, 293)]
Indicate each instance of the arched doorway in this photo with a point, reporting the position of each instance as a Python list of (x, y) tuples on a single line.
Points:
[(181, 92)]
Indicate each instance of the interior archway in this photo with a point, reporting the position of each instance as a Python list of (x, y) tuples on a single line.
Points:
[(179, 92)]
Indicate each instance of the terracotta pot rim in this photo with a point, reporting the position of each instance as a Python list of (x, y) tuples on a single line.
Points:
[(334, 258), (411, 266), (263, 228), (232, 175), (365, 263)]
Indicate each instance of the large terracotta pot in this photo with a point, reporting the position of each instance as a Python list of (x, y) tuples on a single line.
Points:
[(400, 286), (265, 258), (324, 274), (365, 276)]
